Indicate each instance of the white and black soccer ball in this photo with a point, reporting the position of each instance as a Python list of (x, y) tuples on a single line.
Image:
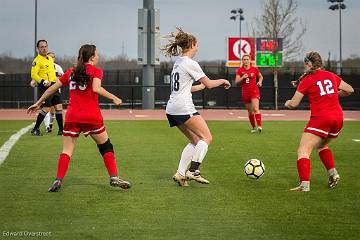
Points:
[(254, 168)]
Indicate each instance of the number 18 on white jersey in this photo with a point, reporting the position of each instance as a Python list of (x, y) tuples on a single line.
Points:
[(185, 72)]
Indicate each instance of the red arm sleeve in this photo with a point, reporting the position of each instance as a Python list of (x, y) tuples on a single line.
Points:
[(65, 78)]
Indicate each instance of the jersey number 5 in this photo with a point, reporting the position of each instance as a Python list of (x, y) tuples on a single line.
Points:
[(325, 87), (175, 84)]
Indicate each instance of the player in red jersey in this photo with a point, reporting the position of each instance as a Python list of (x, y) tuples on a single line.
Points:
[(247, 75), (323, 89), (83, 114)]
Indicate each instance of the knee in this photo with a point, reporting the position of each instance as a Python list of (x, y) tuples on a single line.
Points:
[(105, 147), (303, 151)]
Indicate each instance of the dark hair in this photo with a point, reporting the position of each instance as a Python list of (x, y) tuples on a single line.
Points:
[(41, 40), (79, 73), (179, 42), (316, 62)]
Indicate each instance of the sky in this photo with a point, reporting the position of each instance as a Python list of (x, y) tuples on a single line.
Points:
[(112, 25)]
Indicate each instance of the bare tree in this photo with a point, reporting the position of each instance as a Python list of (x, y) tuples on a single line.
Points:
[(278, 20)]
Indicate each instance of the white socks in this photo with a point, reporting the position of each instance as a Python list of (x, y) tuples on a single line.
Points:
[(49, 119), (332, 171), (186, 156), (201, 149)]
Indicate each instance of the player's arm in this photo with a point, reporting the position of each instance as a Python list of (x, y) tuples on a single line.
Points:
[(97, 88), (345, 89), (295, 101), (214, 83), (198, 87), (239, 79), (50, 91), (261, 78)]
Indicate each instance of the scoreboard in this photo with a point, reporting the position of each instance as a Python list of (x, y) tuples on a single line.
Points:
[(269, 52)]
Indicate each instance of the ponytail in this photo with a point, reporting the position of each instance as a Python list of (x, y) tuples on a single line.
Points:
[(79, 73)]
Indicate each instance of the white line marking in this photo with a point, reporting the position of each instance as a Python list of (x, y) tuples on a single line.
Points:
[(6, 147), (356, 140), (141, 116), (274, 114)]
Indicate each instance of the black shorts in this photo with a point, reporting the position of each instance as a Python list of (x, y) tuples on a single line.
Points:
[(53, 100), (176, 120)]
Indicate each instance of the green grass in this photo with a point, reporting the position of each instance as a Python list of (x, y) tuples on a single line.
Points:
[(231, 207)]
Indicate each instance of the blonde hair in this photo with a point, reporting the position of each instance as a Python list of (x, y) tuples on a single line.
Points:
[(316, 63), (179, 42)]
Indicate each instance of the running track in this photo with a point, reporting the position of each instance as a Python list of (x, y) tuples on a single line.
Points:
[(208, 114)]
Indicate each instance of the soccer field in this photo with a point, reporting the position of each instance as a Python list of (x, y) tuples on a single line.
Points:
[(231, 207)]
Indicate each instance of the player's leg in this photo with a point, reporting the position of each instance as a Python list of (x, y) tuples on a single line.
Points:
[(256, 111), (107, 152), (58, 114), (327, 159), (47, 122), (186, 156), (49, 119), (308, 142), (52, 117), (63, 162), (251, 116), (198, 126)]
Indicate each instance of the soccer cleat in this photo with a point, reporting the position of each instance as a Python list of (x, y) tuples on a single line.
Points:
[(196, 176), (301, 188), (333, 180), (118, 182), (36, 132), (253, 130), (259, 129), (60, 133), (56, 186), (181, 180)]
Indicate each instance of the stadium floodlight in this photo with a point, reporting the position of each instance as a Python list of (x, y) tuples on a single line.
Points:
[(338, 5), (238, 13)]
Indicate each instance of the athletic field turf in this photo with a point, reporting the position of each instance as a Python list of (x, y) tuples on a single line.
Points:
[(231, 207)]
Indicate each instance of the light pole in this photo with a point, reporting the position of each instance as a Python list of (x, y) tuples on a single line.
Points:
[(338, 5), (35, 52), (238, 13)]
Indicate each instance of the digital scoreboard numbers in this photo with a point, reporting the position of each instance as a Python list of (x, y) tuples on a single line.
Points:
[(265, 49)]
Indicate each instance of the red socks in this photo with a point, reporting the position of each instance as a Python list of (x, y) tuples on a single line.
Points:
[(109, 160), (63, 165), (252, 120), (258, 119), (303, 166), (327, 158)]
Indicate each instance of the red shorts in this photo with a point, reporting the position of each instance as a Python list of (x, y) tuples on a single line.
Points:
[(324, 127), (74, 129), (247, 96)]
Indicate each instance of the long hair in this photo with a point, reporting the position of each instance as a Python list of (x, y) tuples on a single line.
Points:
[(316, 63), (179, 42), (79, 73)]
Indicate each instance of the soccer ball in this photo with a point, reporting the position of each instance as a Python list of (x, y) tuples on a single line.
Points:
[(254, 168)]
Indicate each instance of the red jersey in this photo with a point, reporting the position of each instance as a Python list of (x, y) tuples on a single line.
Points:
[(321, 89), (249, 83), (83, 105)]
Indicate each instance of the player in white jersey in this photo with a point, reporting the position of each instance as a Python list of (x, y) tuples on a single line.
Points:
[(180, 109)]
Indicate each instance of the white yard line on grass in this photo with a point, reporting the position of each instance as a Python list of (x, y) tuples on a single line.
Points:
[(6, 147), (356, 140)]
